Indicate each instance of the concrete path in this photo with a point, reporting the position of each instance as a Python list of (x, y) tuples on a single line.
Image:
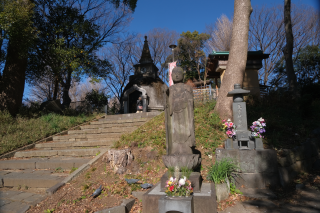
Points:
[(309, 202), (25, 178)]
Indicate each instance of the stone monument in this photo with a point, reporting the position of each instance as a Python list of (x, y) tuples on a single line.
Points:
[(258, 166), (180, 141), (180, 138), (243, 139)]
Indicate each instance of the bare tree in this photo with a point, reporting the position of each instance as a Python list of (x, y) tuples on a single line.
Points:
[(288, 49), (221, 33), (121, 57), (79, 90), (267, 33), (237, 57), (43, 89)]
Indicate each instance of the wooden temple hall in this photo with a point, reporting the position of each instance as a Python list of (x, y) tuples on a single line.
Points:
[(217, 64)]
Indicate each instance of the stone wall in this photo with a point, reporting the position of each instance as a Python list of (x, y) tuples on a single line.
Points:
[(155, 102), (258, 169), (291, 162), (269, 168)]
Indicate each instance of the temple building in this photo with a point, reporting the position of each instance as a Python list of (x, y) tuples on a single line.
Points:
[(144, 83), (217, 64)]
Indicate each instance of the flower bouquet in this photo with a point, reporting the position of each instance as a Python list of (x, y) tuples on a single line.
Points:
[(229, 127), (178, 188), (258, 127)]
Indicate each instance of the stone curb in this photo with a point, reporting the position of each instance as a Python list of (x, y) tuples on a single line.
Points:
[(50, 138), (75, 174), (124, 207)]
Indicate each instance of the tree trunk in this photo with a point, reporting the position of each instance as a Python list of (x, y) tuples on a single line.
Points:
[(56, 87), (66, 87), (288, 50), (237, 57), (13, 78)]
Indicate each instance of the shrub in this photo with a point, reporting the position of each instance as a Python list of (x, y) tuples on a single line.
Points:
[(221, 170), (97, 99)]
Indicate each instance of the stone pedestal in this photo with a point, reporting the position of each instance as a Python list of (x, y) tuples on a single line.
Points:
[(179, 204), (203, 202), (259, 168), (195, 179), (191, 161)]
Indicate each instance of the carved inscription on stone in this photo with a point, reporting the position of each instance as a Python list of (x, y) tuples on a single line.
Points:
[(240, 115)]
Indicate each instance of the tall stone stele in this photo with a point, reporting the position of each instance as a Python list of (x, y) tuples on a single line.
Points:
[(179, 118), (242, 139)]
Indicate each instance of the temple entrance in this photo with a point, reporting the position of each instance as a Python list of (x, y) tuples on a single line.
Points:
[(133, 97)]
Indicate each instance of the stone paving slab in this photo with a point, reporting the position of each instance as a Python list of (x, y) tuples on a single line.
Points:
[(7, 194), (79, 152), (17, 164), (41, 179), (258, 193), (21, 196), (36, 153), (14, 207), (70, 144), (3, 202), (112, 125), (34, 199)]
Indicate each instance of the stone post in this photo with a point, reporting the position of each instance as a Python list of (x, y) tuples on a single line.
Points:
[(144, 103)]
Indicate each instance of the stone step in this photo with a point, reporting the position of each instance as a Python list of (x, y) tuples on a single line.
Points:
[(76, 144), (18, 201), (98, 125), (99, 131), (31, 178), (84, 137), (40, 163), (124, 121), (132, 115), (63, 152)]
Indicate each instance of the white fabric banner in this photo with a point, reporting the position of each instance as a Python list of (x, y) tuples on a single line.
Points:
[(171, 66)]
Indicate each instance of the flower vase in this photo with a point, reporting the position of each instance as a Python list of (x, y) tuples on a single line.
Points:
[(258, 144)]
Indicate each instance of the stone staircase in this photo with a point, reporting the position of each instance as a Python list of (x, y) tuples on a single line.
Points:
[(25, 178)]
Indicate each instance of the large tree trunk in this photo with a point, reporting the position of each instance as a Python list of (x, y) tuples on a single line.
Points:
[(66, 87), (13, 79), (288, 50), (237, 57)]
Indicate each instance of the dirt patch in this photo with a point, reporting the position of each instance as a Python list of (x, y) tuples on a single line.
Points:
[(75, 196)]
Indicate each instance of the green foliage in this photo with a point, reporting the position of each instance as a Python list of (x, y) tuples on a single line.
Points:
[(289, 121), (234, 190), (16, 21), (170, 171), (221, 170), (66, 43), (186, 172), (97, 99), (191, 55), (49, 211), (30, 127), (207, 131), (73, 169)]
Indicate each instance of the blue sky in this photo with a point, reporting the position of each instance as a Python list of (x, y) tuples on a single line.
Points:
[(184, 15)]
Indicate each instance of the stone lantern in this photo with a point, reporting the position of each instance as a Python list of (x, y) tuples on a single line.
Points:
[(243, 138)]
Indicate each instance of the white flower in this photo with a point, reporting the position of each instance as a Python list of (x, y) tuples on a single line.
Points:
[(228, 120), (182, 181), (171, 179)]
